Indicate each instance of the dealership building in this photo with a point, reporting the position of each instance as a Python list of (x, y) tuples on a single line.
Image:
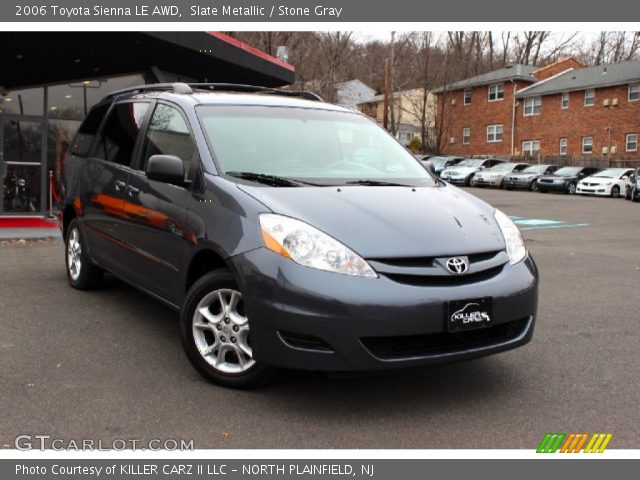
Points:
[(49, 80)]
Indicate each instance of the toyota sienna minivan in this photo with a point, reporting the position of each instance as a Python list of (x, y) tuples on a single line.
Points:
[(288, 233)]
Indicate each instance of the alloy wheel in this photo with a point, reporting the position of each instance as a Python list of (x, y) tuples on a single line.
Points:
[(74, 254), (220, 330)]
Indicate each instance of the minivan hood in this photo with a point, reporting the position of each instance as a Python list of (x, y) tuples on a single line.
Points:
[(391, 222)]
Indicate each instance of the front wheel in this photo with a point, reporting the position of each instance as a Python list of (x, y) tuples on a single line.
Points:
[(216, 335), (633, 194), (533, 186), (571, 189), (81, 273), (615, 191)]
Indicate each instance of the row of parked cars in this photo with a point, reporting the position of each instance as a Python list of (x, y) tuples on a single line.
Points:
[(499, 173)]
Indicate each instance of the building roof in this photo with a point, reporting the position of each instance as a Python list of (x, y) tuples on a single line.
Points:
[(583, 78), (512, 72)]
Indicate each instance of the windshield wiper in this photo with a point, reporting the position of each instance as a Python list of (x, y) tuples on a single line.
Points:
[(272, 180), (376, 183)]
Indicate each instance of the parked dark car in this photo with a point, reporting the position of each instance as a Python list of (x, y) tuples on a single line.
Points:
[(632, 191), (439, 163), (526, 179), (564, 179), (288, 232)]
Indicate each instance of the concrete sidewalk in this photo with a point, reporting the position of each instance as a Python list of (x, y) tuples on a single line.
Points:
[(29, 233)]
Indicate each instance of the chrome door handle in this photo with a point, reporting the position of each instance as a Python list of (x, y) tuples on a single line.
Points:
[(120, 185), (133, 191)]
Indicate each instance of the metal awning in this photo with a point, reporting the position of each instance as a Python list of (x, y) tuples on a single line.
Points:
[(40, 58)]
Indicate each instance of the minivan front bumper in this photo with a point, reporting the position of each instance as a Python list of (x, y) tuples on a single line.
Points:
[(309, 319)]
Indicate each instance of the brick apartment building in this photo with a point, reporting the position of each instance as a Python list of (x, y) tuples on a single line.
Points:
[(562, 111)]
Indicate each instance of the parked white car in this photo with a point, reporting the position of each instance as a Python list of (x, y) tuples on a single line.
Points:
[(611, 182), (496, 174), (463, 172)]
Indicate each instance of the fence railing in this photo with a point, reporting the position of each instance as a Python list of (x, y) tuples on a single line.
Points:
[(597, 162)]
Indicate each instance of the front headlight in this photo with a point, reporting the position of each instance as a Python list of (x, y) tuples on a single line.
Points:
[(310, 247), (512, 237)]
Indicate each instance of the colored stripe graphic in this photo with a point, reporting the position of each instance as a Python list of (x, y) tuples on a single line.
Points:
[(598, 442), (574, 442), (550, 442)]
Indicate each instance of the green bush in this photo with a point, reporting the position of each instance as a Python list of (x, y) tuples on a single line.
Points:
[(415, 145)]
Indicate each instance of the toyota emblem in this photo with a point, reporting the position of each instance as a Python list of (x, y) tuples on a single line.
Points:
[(457, 265)]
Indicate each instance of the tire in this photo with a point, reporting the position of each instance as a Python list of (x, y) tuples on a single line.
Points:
[(533, 186), (615, 191), (541, 190), (225, 334), (633, 195), (571, 189), (82, 274), (627, 193), (468, 181)]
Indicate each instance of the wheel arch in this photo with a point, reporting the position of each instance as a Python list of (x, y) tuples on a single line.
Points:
[(203, 262)]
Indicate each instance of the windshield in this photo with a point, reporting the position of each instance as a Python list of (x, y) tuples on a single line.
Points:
[(322, 146), (535, 169), (567, 171), (470, 163), (610, 173), (503, 167)]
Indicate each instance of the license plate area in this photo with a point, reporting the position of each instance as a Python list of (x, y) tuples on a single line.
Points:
[(469, 314)]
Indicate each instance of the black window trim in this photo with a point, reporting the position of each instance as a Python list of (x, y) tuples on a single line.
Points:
[(136, 146), (138, 167)]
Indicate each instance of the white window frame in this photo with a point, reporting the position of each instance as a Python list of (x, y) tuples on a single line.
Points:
[(466, 139), (592, 97), (532, 104), (493, 131), (626, 143), (529, 150), (464, 96), (499, 89), (590, 145), (634, 89), (564, 99), (564, 146)]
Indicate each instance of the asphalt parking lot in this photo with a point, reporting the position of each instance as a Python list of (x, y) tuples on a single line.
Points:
[(109, 364)]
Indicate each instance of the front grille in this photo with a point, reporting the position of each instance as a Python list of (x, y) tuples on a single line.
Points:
[(388, 348), (430, 271), (445, 280)]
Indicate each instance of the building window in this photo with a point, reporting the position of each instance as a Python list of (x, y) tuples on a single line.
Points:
[(587, 144), (496, 92), (589, 97), (467, 96), (564, 103), (466, 136), (632, 142), (494, 133), (564, 144), (532, 106), (531, 147), (634, 92)]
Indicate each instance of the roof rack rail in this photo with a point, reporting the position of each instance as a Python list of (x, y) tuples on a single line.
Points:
[(233, 87), (187, 89)]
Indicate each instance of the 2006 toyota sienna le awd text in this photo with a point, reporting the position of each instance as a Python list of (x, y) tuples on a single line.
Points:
[(289, 233)]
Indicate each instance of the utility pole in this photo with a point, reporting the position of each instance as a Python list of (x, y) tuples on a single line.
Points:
[(387, 88)]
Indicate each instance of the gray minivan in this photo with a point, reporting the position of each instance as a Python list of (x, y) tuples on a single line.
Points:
[(288, 232)]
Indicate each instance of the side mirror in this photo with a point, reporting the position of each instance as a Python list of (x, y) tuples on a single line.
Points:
[(165, 168)]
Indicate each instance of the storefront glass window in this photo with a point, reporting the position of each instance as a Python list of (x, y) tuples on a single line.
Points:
[(72, 101), (23, 102)]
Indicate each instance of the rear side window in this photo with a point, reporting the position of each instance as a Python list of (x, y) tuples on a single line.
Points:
[(87, 132), (119, 135)]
